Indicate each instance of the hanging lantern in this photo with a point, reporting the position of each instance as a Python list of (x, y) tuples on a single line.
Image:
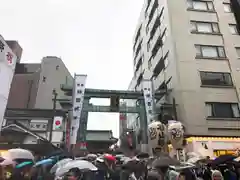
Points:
[(176, 134), (157, 134)]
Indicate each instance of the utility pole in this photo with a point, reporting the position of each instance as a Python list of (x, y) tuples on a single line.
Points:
[(54, 112)]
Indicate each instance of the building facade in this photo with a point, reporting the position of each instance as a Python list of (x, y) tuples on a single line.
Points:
[(32, 88), (192, 48), (35, 83)]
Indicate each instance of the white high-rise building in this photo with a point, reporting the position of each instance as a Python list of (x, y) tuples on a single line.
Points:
[(193, 48)]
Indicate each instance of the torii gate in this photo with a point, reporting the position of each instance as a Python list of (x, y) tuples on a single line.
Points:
[(81, 96)]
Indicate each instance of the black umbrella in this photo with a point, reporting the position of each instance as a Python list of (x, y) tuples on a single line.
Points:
[(1, 159), (142, 155), (130, 164), (164, 161), (153, 175), (60, 154), (223, 158)]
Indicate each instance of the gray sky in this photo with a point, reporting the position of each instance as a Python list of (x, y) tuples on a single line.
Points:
[(91, 36)]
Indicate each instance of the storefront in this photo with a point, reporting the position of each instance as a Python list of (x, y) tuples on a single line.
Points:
[(217, 145)]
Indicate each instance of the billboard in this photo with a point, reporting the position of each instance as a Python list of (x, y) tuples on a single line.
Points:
[(7, 68)]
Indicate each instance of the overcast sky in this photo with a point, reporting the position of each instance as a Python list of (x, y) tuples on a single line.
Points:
[(91, 36)]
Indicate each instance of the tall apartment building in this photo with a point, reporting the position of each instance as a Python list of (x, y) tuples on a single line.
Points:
[(193, 48)]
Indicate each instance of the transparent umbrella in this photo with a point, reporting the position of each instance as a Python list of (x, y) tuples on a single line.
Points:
[(20, 154), (79, 164), (59, 164)]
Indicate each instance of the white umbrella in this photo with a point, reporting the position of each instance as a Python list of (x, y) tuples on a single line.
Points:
[(192, 155), (205, 153), (79, 164), (193, 160), (7, 162), (59, 164), (20, 154)]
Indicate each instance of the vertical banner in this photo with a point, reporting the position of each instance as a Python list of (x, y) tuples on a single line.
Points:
[(122, 119), (148, 99), (78, 97), (67, 135), (7, 68)]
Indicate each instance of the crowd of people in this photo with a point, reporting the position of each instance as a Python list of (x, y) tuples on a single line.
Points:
[(19, 164)]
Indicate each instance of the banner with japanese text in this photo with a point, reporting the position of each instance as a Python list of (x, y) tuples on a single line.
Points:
[(7, 68)]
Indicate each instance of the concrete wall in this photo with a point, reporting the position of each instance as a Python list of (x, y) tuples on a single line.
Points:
[(53, 74), (23, 91)]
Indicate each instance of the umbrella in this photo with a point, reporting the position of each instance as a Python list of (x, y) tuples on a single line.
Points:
[(130, 163), (60, 154), (59, 164), (7, 162), (79, 164), (205, 153), (20, 154), (44, 162), (142, 155), (24, 164), (193, 160), (164, 161), (91, 157), (2, 159), (192, 155), (223, 158)]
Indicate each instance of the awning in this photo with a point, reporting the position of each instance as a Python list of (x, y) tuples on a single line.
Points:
[(24, 129)]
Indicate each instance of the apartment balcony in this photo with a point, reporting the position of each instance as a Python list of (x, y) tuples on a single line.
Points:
[(150, 8), (136, 44), (157, 58), (138, 60), (138, 72), (159, 79), (138, 50), (155, 38), (153, 20)]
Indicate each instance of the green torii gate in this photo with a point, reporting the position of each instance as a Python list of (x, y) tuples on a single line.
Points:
[(114, 96)]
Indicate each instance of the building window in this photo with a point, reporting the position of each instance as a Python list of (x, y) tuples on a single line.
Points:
[(44, 79), (200, 5), (238, 51), (227, 7), (216, 79), (203, 51), (78, 99), (204, 27), (222, 110), (233, 29)]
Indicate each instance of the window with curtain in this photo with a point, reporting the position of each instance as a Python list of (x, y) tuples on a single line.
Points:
[(210, 51), (200, 5), (204, 27), (222, 110), (227, 7), (238, 51), (216, 79), (233, 29)]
